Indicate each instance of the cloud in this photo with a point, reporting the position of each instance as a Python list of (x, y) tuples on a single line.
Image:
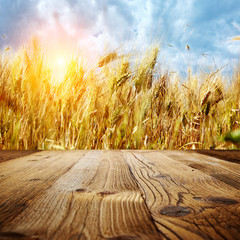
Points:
[(206, 26), (15, 18)]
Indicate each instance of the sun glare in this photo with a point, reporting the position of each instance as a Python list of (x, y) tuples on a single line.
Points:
[(59, 67), (61, 61)]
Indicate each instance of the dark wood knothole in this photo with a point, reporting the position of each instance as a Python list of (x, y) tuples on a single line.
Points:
[(175, 211), (221, 200), (160, 176), (81, 190), (105, 193), (34, 179)]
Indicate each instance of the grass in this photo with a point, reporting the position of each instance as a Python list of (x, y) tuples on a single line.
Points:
[(123, 102)]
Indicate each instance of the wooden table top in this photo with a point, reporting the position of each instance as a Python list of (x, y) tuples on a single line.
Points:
[(119, 195)]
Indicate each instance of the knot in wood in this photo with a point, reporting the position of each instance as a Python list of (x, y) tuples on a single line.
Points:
[(175, 211), (105, 193), (221, 200)]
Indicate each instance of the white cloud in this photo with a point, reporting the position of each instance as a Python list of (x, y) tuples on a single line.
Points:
[(204, 25), (233, 47)]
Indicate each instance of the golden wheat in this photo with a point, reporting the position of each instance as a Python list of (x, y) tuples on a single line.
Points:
[(122, 102)]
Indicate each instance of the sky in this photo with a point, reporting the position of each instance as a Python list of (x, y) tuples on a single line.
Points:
[(207, 27)]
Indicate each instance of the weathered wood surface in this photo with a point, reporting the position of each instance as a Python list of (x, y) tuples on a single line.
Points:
[(119, 195)]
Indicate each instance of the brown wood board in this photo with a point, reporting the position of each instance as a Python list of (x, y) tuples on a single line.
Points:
[(118, 195)]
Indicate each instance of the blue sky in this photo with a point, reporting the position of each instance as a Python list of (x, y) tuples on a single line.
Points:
[(206, 26)]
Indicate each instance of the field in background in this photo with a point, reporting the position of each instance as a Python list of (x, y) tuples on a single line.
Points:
[(122, 102)]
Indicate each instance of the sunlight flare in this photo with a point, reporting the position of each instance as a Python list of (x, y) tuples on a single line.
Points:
[(58, 65)]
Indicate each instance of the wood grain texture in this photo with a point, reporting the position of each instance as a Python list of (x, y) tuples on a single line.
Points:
[(7, 155), (228, 155), (225, 171), (24, 179), (119, 195), (185, 203), (96, 199)]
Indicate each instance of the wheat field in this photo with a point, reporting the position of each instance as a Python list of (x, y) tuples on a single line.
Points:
[(122, 101)]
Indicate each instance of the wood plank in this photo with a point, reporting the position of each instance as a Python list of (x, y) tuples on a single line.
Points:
[(185, 203), (227, 155), (6, 155), (96, 199), (24, 179), (224, 171)]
